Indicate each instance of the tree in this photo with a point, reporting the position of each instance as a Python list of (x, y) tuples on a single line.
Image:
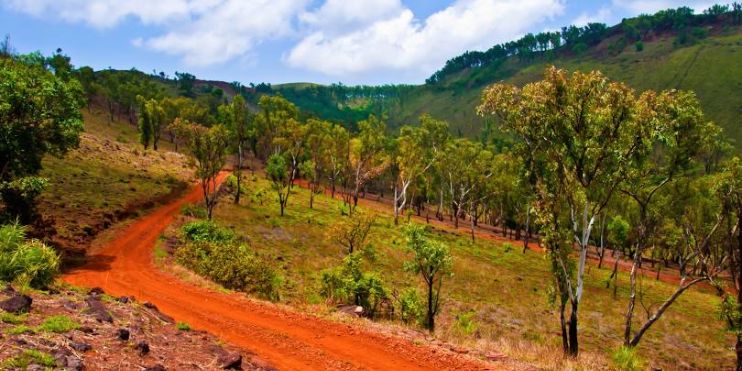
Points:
[(185, 83), (352, 232), (432, 261), (416, 151), (145, 124), (275, 111), (208, 147), (730, 194), (675, 119), (367, 158), (578, 135), (39, 115), (317, 142), (337, 154), (277, 172), (289, 140), (238, 121)]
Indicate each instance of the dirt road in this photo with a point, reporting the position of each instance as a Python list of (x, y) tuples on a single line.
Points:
[(286, 339)]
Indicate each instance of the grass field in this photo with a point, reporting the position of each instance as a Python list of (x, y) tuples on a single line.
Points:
[(497, 298), (108, 178)]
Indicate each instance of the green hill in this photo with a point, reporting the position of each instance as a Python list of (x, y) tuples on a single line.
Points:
[(702, 53)]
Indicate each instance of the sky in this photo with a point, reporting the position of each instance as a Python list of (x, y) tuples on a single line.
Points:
[(279, 41)]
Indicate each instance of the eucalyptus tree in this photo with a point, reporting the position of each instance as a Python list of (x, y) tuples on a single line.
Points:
[(208, 147), (577, 135), (367, 156), (290, 141), (465, 166), (275, 111), (238, 120), (318, 139), (337, 155), (278, 173), (677, 134)]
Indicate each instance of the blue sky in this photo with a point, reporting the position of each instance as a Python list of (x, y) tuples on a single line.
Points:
[(348, 41)]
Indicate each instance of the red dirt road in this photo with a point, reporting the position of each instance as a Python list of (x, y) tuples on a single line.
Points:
[(286, 339)]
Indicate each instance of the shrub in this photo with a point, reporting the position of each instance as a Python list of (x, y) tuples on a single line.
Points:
[(182, 326), (626, 359), (21, 329), (347, 283), (196, 211), (26, 261), (206, 231), (639, 46), (231, 185), (231, 265), (13, 319), (58, 324), (410, 306), (465, 323)]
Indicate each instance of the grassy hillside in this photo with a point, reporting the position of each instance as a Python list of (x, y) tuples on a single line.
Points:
[(107, 179), (712, 67), (496, 301)]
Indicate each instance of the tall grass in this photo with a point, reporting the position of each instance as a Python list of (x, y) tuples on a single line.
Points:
[(26, 262)]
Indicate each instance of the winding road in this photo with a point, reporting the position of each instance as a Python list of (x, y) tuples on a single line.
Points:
[(286, 339)]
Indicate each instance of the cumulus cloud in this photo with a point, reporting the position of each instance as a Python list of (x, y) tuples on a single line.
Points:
[(602, 16), (403, 42)]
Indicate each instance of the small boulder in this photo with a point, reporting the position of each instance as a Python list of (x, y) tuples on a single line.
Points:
[(230, 361), (353, 310), (80, 347), (125, 299), (96, 291), (98, 310), (143, 348), (86, 330), (122, 334), (17, 304), (155, 368), (74, 363)]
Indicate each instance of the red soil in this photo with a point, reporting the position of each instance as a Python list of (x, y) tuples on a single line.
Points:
[(284, 338)]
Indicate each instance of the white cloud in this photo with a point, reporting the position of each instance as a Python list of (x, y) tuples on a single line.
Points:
[(404, 43), (341, 15), (109, 13), (202, 32), (229, 30)]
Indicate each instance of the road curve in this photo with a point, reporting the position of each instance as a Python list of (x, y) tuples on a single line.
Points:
[(286, 339)]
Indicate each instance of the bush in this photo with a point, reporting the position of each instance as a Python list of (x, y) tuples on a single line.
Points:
[(231, 185), (28, 262), (347, 283), (231, 265), (626, 359), (195, 211), (29, 357), (410, 306), (639, 46), (182, 326), (206, 231), (465, 323)]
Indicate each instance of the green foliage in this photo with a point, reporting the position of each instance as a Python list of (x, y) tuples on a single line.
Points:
[(206, 231), (465, 323), (182, 326), (618, 232), (348, 283), (231, 184), (29, 357), (58, 324), (411, 307), (20, 195), (639, 46), (626, 359), (29, 261), (40, 115), (196, 211), (213, 252)]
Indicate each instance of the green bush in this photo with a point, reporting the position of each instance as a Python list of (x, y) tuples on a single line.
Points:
[(639, 46), (465, 323), (626, 359), (231, 184), (410, 307), (206, 231), (231, 265), (182, 326), (26, 261), (192, 210), (347, 283)]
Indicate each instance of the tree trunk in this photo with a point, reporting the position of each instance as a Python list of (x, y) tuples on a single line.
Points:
[(563, 324), (573, 343), (239, 175), (431, 314), (528, 229), (632, 300), (738, 347)]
